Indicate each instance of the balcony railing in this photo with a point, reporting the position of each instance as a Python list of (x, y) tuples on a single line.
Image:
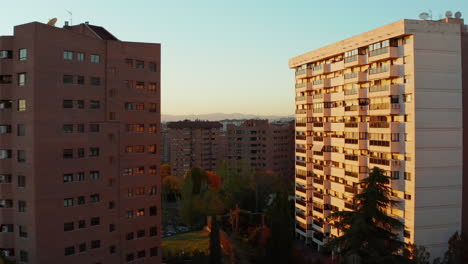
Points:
[(318, 181), (383, 106), (379, 161), (318, 167), (350, 59), (318, 195), (317, 96), (301, 71), (301, 163), (350, 206), (351, 174), (301, 215), (318, 139), (300, 189), (379, 88), (351, 92), (351, 124), (300, 98), (301, 150), (317, 124), (351, 108), (351, 157), (379, 124), (303, 177), (350, 189), (351, 75), (378, 70), (300, 85), (301, 137), (301, 202), (378, 51), (316, 82), (319, 67)]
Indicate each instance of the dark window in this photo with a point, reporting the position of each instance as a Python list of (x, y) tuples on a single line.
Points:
[(69, 251), (96, 244), (80, 152), (67, 103), (68, 79), (111, 227), (93, 104), (6, 54), (80, 103), (21, 155), (80, 128), (68, 153), (6, 79), (82, 247), (68, 226), (21, 129), (81, 224), (153, 231), (5, 104), (80, 80), (95, 198), (80, 200), (24, 257), (153, 251), (153, 211), (129, 236), (152, 66), (94, 152), (67, 177), (140, 233), (23, 232), (93, 127), (141, 254), (94, 175), (5, 178), (152, 107), (130, 257), (95, 81), (129, 62), (81, 176), (111, 205), (21, 181), (68, 202), (95, 221), (112, 249), (152, 128), (67, 128), (139, 64)]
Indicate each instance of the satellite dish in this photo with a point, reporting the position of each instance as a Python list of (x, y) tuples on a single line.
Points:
[(52, 22), (458, 14), (424, 15), (448, 14)]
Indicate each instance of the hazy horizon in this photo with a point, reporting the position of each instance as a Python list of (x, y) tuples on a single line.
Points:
[(229, 57)]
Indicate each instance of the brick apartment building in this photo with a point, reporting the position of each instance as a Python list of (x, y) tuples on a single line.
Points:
[(194, 143), (261, 145), (79, 146), (391, 98)]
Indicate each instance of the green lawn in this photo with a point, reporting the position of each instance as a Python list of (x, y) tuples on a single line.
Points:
[(187, 243)]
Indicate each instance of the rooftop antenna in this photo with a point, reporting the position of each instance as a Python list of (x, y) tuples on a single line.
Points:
[(52, 21), (71, 17)]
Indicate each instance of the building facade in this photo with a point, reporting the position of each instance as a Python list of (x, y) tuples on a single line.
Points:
[(195, 144), (79, 146), (259, 144), (389, 98)]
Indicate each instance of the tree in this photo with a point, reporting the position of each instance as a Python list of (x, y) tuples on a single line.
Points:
[(457, 252), (214, 180), (188, 211), (215, 242), (417, 254), (165, 170), (368, 232), (171, 187)]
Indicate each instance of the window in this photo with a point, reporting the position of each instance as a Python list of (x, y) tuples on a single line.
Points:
[(68, 177), (111, 227), (129, 236), (94, 175), (68, 202), (135, 127), (22, 206), (112, 249), (5, 178), (94, 58), (408, 176), (82, 247), (395, 175), (407, 98), (21, 105), (23, 54), (139, 85), (5, 129), (134, 106), (80, 56), (21, 79), (68, 79), (68, 55), (152, 66), (140, 212), (152, 149), (141, 254), (23, 232), (129, 62), (153, 211), (80, 80), (5, 153), (93, 127), (21, 181), (96, 244), (407, 196), (135, 149), (5, 79), (69, 251), (5, 104), (95, 198), (128, 83), (153, 231), (80, 200), (21, 130), (152, 87), (67, 104), (112, 116), (152, 128), (80, 104), (94, 104), (153, 251), (152, 107), (80, 128), (24, 257), (406, 234), (140, 233), (111, 205), (153, 190), (81, 176), (130, 214), (93, 152), (139, 64), (95, 81), (6, 54), (95, 221), (80, 153), (130, 257), (21, 155), (81, 224), (69, 226), (153, 169)]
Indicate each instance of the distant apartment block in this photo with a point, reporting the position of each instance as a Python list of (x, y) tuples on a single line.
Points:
[(389, 98), (165, 146), (79, 146), (261, 145), (195, 143)]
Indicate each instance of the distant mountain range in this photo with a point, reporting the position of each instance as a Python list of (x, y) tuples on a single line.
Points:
[(222, 116)]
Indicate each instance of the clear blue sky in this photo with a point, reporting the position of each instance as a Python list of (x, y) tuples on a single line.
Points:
[(227, 56)]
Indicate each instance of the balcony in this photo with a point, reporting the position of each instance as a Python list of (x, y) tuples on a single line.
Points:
[(303, 73), (355, 60), (384, 109), (355, 77), (337, 66), (350, 189), (383, 72), (303, 100), (337, 81), (300, 215), (384, 90), (321, 69), (320, 84), (301, 202), (382, 54)]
